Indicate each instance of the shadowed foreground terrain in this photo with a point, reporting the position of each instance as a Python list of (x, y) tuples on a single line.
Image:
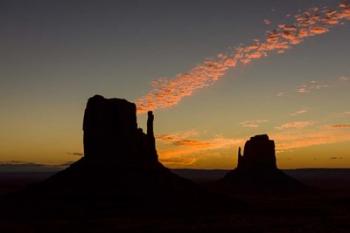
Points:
[(325, 211)]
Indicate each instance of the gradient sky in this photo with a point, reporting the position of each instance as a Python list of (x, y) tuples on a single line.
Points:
[(56, 54)]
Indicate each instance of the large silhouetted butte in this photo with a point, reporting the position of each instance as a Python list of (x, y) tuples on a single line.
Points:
[(120, 167)]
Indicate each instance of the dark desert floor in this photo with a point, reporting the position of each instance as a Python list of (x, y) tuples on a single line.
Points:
[(326, 209)]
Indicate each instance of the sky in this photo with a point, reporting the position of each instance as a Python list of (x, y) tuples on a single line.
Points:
[(214, 72)]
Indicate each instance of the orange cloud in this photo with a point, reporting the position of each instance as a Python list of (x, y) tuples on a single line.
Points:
[(175, 137), (178, 162), (180, 156), (193, 143), (295, 125), (341, 126), (186, 151), (297, 139), (167, 93), (185, 154), (181, 144)]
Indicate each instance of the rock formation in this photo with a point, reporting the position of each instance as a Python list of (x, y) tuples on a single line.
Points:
[(259, 154), (119, 170), (257, 170), (111, 133)]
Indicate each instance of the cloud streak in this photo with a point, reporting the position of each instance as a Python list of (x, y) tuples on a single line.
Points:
[(344, 78), (343, 126), (299, 112), (295, 125), (166, 93), (252, 124), (179, 161), (295, 140), (310, 86), (267, 21), (184, 148)]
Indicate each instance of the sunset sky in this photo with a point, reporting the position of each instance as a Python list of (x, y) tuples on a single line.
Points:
[(218, 74)]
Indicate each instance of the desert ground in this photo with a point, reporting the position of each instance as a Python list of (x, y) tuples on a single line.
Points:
[(325, 209)]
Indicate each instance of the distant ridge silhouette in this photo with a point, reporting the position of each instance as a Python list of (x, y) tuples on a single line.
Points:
[(119, 170), (257, 170)]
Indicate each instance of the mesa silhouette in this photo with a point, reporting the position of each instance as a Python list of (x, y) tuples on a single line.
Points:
[(120, 169), (257, 170)]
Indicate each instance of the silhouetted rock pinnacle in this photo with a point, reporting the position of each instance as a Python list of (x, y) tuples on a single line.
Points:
[(257, 170)]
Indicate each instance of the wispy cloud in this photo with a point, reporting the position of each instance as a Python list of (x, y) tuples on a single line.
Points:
[(318, 85), (344, 126), (311, 86), (178, 161), (175, 137), (299, 112), (167, 93), (321, 136), (187, 148), (187, 151), (184, 149), (252, 123), (196, 145), (184, 154), (344, 78), (295, 125), (267, 21), (280, 94)]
